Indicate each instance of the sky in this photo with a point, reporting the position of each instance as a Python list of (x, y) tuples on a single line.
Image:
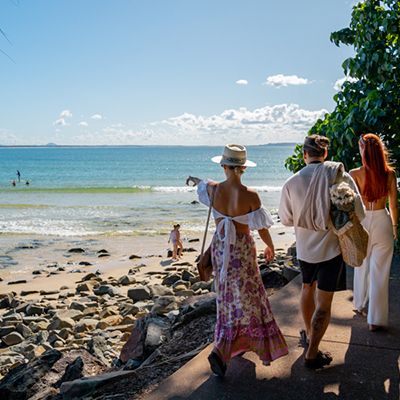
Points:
[(167, 72)]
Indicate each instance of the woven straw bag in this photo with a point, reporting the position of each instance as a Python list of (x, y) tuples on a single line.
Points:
[(353, 241)]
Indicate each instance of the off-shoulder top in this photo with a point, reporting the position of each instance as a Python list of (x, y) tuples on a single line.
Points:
[(226, 230)]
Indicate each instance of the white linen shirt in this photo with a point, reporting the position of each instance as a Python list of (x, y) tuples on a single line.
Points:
[(312, 246)]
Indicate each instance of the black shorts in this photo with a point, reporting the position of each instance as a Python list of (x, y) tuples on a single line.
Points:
[(330, 275)]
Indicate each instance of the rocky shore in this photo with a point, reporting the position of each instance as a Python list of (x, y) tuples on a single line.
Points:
[(110, 337)]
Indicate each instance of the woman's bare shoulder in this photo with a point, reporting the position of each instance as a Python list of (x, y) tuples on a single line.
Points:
[(356, 171)]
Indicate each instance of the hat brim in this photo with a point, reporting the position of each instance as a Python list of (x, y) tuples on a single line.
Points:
[(218, 159)]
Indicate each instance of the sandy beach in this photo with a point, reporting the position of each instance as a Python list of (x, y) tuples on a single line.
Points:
[(59, 267)]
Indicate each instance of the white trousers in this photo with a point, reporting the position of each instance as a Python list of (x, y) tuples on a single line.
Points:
[(371, 280)]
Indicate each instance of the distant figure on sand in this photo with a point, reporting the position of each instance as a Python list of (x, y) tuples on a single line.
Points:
[(27, 183), (13, 183), (305, 204), (18, 176), (244, 318), (175, 238), (376, 180)]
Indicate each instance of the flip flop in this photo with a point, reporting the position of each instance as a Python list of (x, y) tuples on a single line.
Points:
[(218, 367), (322, 360), (303, 341)]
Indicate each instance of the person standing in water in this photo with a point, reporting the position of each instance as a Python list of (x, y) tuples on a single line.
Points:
[(18, 176)]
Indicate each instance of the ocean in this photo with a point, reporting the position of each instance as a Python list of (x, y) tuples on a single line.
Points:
[(80, 191)]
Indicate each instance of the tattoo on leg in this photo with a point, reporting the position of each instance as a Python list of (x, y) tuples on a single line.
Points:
[(318, 321)]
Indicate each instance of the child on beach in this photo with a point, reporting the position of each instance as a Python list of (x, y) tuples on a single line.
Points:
[(175, 238)]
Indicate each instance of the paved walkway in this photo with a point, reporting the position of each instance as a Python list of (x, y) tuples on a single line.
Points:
[(365, 365)]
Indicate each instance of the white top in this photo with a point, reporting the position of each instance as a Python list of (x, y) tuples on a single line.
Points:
[(226, 230), (313, 246)]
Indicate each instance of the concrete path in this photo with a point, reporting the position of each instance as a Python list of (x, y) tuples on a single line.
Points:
[(365, 365)]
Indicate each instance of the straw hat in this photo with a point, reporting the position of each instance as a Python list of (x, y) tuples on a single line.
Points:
[(234, 155)]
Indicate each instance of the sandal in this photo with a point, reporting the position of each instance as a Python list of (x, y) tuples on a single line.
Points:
[(218, 367), (303, 341), (318, 362)]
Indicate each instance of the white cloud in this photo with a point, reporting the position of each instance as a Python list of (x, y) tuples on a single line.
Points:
[(83, 123), (242, 82), (7, 138), (66, 114), (285, 80), (269, 124), (339, 83), (61, 121), (97, 116)]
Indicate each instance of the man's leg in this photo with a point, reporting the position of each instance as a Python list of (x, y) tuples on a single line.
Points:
[(320, 321), (307, 304)]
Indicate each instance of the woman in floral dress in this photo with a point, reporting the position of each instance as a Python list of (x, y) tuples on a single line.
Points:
[(244, 318)]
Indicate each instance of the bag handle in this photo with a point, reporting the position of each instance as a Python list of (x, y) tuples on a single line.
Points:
[(208, 220)]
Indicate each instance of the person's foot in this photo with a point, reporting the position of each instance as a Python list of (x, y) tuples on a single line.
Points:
[(218, 367), (376, 328), (303, 341), (320, 361)]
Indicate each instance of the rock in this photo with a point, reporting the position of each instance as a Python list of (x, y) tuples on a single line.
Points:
[(82, 388), (28, 292), (97, 346), (134, 347), (184, 293), (89, 276), (273, 279), (17, 282), (60, 323), (76, 250), (76, 305), (5, 330), (37, 272), (112, 320), (103, 255), (106, 289), (189, 250), (86, 263), (73, 314), (157, 332), (169, 253), (48, 292), (24, 330), (194, 240), (160, 290), (132, 364), (86, 325), (181, 285), (102, 251), (12, 338), (126, 280), (187, 276), (182, 264), (18, 383), (84, 287), (130, 310), (73, 371), (33, 309), (134, 256), (201, 285), (6, 299), (164, 304), (139, 292), (171, 279)]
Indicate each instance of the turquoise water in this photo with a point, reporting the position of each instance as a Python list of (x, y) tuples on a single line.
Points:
[(129, 190)]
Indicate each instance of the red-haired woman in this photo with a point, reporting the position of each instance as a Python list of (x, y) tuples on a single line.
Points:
[(377, 183)]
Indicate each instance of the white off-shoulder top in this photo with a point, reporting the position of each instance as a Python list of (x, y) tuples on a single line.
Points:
[(226, 230)]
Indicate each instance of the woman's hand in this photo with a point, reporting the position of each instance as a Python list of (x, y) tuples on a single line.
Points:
[(269, 254)]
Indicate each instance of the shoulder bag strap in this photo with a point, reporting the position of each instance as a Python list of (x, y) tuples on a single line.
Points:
[(208, 220)]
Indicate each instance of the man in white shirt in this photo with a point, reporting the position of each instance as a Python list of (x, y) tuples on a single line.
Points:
[(318, 251)]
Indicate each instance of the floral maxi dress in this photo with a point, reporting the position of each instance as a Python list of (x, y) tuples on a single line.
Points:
[(244, 318)]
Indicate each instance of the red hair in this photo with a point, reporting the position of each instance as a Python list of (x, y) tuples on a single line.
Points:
[(377, 169)]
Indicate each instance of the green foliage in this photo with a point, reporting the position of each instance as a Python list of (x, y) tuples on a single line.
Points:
[(370, 102)]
